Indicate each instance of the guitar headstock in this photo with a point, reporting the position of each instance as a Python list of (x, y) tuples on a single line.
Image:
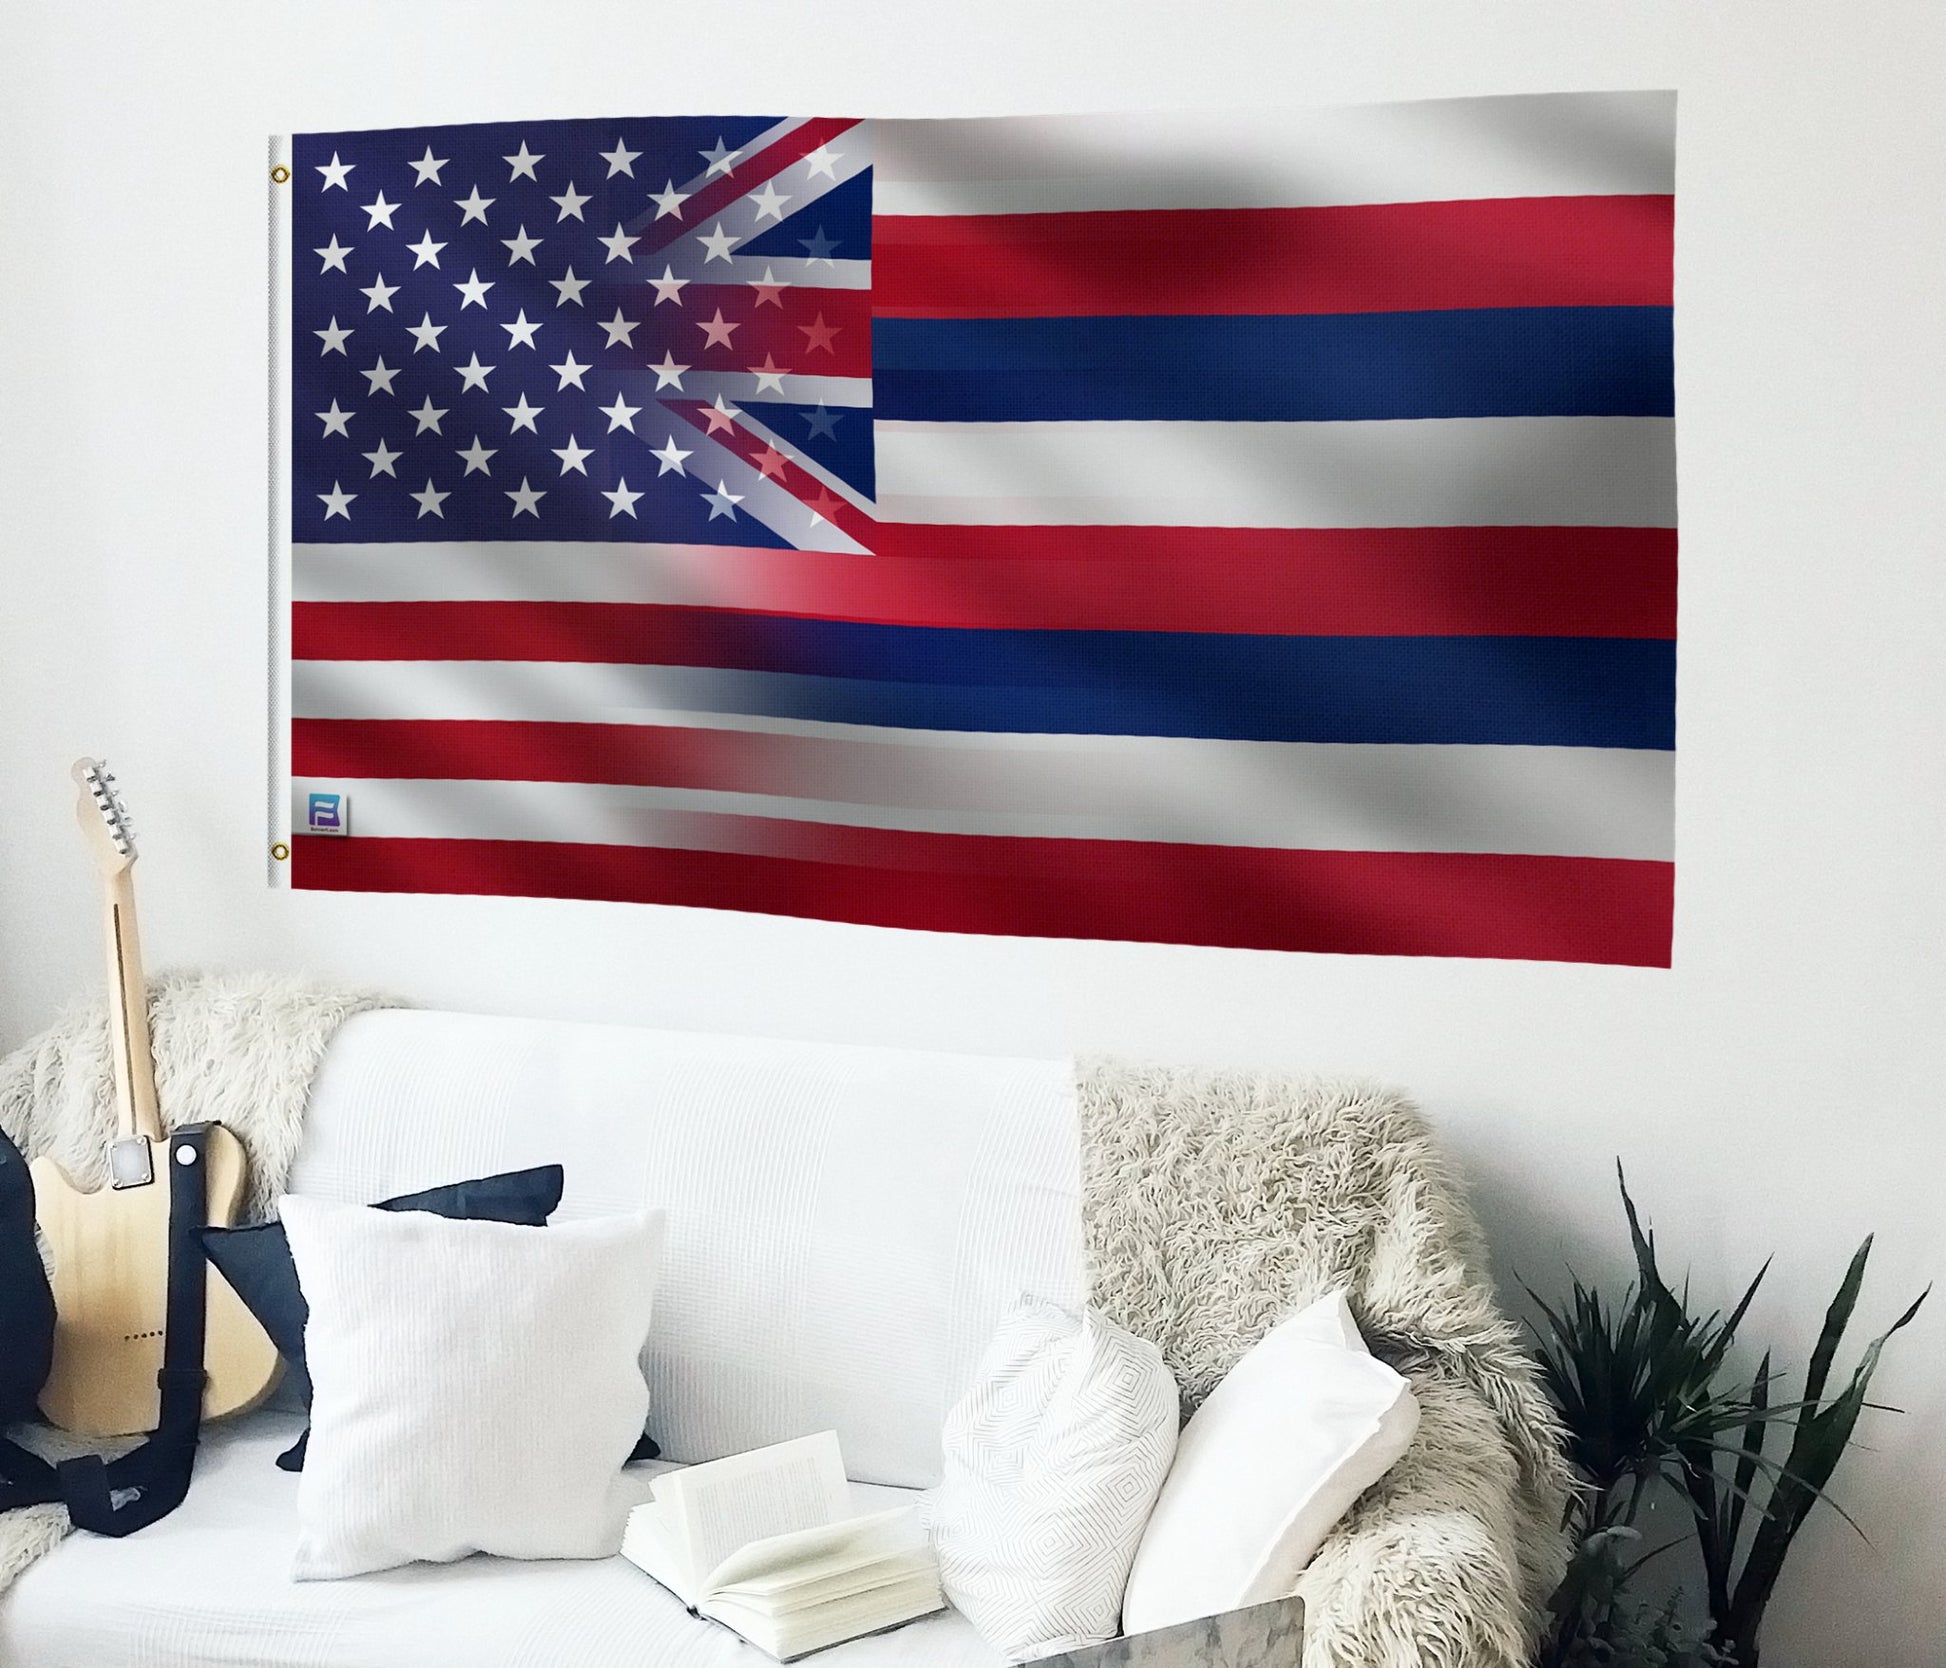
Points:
[(103, 817)]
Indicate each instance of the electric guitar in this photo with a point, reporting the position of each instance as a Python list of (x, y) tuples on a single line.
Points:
[(110, 1248)]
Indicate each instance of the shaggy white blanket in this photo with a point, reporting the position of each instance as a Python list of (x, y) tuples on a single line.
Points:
[(1215, 1203), (230, 1048)]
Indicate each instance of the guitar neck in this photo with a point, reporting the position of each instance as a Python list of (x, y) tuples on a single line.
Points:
[(128, 1012)]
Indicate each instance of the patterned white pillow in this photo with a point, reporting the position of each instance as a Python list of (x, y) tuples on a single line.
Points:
[(1053, 1460)]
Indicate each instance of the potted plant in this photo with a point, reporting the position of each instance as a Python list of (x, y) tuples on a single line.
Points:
[(1651, 1398)]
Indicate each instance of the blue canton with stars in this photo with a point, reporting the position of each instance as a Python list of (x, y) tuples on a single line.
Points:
[(475, 339)]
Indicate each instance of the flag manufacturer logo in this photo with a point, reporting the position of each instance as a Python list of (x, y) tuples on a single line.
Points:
[(327, 813)]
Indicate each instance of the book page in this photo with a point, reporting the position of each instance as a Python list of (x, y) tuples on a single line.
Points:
[(776, 1563), (724, 1505), (649, 1542)]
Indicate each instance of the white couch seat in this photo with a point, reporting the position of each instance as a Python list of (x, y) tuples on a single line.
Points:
[(211, 1584)]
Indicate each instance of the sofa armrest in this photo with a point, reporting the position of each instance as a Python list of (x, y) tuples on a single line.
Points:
[(1426, 1571)]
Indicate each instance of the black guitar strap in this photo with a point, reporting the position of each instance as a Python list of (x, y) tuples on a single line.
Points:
[(117, 1497)]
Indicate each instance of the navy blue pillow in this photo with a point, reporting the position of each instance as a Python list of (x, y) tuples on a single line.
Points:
[(258, 1264)]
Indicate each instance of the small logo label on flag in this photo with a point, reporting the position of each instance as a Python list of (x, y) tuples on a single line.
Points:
[(328, 813)]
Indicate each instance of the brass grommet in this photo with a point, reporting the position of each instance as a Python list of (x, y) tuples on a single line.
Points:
[(280, 852), (280, 174)]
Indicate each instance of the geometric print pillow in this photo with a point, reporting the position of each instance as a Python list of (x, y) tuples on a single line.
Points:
[(1053, 1461)]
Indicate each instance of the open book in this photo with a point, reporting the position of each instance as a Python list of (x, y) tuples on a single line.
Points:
[(765, 1543)]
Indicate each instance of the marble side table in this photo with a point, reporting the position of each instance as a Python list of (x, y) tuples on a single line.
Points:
[(1264, 1636)]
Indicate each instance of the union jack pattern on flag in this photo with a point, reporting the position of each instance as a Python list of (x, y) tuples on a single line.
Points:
[(1239, 530)]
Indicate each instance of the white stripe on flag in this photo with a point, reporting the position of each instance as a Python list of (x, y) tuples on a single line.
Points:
[(1550, 145), (1538, 801), (1423, 472)]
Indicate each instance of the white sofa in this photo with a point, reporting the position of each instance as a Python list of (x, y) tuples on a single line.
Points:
[(845, 1227)]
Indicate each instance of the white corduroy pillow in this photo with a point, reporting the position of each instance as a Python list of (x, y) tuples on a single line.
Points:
[(476, 1386), (1297, 1430), (1053, 1460)]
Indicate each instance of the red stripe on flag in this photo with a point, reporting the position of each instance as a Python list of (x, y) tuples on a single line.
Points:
[(1348, 903), (1610, 251), (1360, 582), (1306, 581)]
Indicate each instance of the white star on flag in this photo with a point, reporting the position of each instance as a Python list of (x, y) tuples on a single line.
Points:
[(476, 456), (429, 499), (619, 160), (336, 502), (527, 499), (718, 243), (622, 499), (770, 201)]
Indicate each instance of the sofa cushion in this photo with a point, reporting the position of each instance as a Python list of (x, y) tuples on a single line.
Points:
[(477, 1385), (1277, 1454), (845, 1224), (256, 1260), (1053, 1460), (211, 1585)]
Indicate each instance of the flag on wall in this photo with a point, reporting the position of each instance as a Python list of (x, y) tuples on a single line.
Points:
[(1251, 531)]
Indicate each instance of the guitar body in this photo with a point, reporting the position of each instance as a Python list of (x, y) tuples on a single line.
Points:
[(110, 1248), (111, 1297)]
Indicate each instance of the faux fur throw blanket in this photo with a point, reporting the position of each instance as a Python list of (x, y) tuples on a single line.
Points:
[(237, 1049), (1214, 1204)]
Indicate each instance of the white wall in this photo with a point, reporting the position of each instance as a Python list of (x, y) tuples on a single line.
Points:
[(1779, 1090)]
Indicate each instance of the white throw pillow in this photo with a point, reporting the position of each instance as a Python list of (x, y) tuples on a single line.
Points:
[(476, 1386), (1298, 1429), (1053, 1460)]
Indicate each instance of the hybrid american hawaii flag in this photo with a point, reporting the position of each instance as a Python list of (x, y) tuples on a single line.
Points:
[(1243, 530)]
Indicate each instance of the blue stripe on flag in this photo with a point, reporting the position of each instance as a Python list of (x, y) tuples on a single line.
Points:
[(1491, 362), (1519, 691)]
